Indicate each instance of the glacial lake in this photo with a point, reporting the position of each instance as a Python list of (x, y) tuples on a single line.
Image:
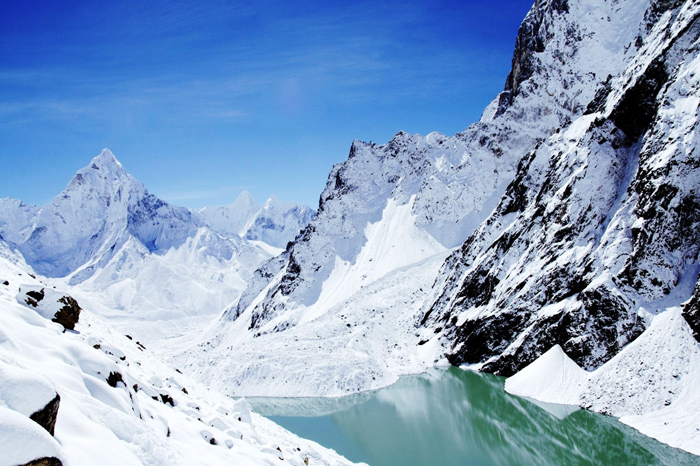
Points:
[(449, 417)]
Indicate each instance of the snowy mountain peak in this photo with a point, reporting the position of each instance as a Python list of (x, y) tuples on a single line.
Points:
[(246, 197), (274, 202), (100, 209), (106, 158), (275, 223), (103, 176)]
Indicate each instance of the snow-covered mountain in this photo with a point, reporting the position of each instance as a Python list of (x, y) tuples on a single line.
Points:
[(568, 215), (394, 206), (275, 223), (230, 220), (154, 266), (16, 220), (98, 212)]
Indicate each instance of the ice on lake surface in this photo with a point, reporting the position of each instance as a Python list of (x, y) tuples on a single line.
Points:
[(456, 417)]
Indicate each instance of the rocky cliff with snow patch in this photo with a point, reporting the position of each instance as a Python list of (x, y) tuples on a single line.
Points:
[(601, 224)]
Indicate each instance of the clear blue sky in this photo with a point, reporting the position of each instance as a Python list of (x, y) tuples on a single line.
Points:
[(200, 100)]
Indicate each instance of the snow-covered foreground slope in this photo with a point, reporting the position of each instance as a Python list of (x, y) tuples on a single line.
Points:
[(117, 403)]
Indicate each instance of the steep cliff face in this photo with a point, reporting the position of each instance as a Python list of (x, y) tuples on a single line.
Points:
[(600, 226), (534, 34)]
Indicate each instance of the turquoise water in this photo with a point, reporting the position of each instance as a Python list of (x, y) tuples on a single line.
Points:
[(455, 417)]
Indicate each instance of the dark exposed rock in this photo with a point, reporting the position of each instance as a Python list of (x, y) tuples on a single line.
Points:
[(167, 399), (287, 284), (34, 297), (69, 314), (114, 378), (605, 315), (691, 311), (46, 416), (636, 110), (6, 283), (44, 462), (601, 95), (481, 339)]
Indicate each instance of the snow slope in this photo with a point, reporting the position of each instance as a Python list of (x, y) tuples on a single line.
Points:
[(119, 404), (651, 385)]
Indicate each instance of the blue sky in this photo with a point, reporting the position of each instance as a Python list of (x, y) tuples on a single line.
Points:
[(200, 100)]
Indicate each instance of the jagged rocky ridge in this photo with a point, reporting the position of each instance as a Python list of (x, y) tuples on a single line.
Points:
[(599, 225), (565, 52), (449, 183)]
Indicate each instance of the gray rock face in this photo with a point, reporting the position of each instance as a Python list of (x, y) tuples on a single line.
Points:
[(534, 34), (691, 311), (600, 221)]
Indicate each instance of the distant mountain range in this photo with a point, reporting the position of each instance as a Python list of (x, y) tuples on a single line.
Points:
[(107, 235)]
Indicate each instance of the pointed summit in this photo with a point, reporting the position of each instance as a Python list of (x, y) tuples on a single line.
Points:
[(105, 175), (275, 202), (245, 200), (105, 159)]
